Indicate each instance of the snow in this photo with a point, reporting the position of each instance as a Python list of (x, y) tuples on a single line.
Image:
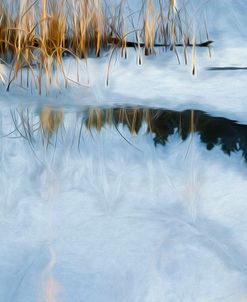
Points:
[(114, 222), (160, 80)]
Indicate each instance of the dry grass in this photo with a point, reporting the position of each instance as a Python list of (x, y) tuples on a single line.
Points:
[(37, 34)]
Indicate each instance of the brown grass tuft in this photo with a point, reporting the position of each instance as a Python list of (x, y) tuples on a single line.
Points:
[(39, 33)]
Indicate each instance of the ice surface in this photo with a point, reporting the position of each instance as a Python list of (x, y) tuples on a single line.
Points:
[(117, 221)]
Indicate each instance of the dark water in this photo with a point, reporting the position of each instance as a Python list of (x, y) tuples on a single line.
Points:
[(213, 131), (229, 134)]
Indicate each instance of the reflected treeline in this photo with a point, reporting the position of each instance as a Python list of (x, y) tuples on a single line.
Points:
[(230, 135), (161, 123)]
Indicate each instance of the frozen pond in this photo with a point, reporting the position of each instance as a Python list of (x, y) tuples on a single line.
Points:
[(122, 204), (123, 151)]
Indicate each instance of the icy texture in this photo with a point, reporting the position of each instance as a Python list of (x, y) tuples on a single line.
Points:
[(120, 222)]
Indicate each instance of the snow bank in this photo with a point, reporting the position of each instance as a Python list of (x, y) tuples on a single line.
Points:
[(160, 80)]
